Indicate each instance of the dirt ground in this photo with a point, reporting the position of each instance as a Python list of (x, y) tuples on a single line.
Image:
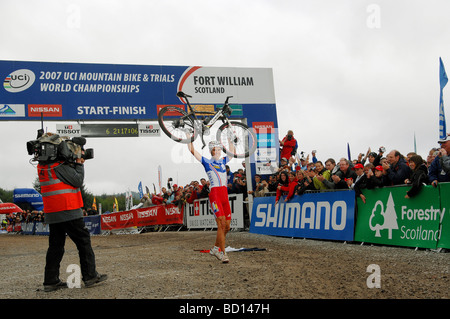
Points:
[(168, 265)]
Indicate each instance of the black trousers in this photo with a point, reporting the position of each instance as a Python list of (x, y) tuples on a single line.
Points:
[(80, 235)]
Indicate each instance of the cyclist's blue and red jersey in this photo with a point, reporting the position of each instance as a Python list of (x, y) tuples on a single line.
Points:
[(216, 171), (218, 196)]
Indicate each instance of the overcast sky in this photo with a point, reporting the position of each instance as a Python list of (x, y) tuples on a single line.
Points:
[(359, 72)]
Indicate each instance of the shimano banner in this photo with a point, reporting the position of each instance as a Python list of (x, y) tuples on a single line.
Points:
[(29, 196), (328, 215)]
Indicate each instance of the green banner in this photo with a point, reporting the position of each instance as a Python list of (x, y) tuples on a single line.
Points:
[(389, 218), (444, 240)]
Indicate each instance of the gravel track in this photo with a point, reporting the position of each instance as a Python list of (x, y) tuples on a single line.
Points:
[(168, 265)]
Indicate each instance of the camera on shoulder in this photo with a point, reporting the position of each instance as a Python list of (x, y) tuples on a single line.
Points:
[(50, 147)]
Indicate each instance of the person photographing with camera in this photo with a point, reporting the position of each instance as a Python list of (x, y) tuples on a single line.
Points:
[(61, 174), (288, 145)]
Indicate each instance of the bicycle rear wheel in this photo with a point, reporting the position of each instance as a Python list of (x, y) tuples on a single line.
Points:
[(240, 136), (177, 124)]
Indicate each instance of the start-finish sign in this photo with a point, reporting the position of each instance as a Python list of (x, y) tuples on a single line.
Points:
[(112, 92), (67, 92)]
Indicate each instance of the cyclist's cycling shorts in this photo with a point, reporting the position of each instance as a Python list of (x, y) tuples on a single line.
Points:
[(218, 199)]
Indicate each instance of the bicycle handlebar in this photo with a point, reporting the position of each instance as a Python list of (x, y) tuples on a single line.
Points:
[(228, 97), (182, 94)]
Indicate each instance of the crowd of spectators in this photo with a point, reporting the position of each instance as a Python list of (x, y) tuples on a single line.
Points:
[(15, 220), (296, 174), (179, 195)]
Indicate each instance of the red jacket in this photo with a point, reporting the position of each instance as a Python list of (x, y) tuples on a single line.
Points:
[(157, 200), (287, 190), (191, 198), (56, 195), (288, 147)]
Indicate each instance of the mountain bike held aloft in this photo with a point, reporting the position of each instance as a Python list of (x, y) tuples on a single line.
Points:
[(185, 126)]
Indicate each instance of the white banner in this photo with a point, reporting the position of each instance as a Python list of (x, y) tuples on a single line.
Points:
[(213, 84), (199, 214)]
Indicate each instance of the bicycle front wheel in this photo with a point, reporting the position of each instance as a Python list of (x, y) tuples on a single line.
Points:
[(177, 124), (237, 139)]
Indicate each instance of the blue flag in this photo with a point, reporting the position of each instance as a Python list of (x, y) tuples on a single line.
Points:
[(443, 79), (141, 191), (348, 152), (415, 147)]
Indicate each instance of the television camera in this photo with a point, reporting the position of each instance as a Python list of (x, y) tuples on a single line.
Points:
[(49, 147)]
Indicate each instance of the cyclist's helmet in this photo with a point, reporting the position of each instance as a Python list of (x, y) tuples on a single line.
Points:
[(214, 144)]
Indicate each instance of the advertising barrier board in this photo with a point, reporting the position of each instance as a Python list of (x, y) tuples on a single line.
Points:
[(389, 218), (444, 239), (154, 215), (92, 223), (42, 229), (38, 228), (200, 215), (328, 215), (28, 228)]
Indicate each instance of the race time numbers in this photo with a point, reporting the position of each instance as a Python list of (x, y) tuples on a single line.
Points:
[(119, 130)]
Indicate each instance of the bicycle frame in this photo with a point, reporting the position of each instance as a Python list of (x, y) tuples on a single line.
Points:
[(202, 127)]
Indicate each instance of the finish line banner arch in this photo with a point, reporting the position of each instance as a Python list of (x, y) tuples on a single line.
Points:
[(116, 92)]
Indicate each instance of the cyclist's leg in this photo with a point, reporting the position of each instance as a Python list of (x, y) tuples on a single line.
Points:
[(221, 232), (223, 215)]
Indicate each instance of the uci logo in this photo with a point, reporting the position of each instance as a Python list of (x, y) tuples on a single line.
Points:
[(19, 80)]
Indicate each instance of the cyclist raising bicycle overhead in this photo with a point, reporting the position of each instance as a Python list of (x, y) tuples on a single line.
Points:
[(218, 196)]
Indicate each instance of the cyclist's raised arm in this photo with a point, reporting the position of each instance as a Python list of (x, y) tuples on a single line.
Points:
[(196, 154), (231, 149)]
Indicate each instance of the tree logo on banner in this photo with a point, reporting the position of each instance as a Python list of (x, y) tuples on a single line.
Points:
[(381, 219)]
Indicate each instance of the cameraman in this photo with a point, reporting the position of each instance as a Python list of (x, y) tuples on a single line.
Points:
[(60, 183)]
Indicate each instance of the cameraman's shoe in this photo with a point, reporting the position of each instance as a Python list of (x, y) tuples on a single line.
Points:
[(95, 280), (59, 285)]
